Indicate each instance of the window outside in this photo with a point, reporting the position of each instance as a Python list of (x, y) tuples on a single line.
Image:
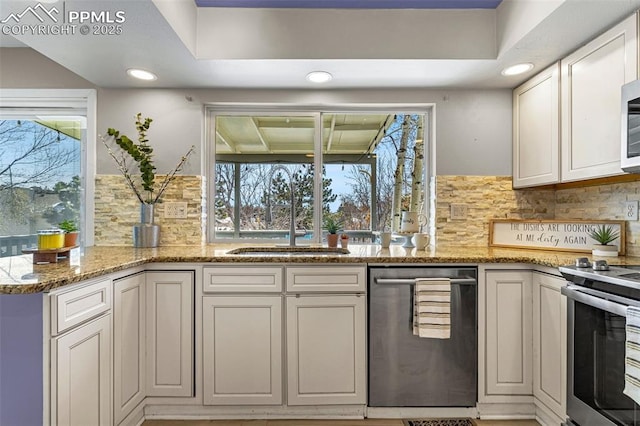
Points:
[(40, 184), (372, 164)]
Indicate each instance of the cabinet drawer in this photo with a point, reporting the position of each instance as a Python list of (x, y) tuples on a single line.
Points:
[(326, 279), (242, 279), (70, 308)]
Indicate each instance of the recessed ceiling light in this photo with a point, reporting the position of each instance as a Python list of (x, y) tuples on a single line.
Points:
[(319, 77), (517, 69), (141, 74)]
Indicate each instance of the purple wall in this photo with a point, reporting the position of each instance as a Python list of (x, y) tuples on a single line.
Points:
[(21, 358), (354, 4)]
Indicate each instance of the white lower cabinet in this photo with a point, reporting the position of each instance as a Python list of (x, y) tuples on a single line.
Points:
[(326, 349), (323, 336), (508, 333), (81, 375), (170, 336), (549, 343), (129, 354), (242, 350)]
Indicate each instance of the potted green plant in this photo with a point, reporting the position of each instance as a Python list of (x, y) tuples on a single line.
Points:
[(70, 229), (604, 234), (145, 234), (332, 225)]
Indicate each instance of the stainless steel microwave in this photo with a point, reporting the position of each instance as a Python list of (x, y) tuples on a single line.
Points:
[(630, 120)]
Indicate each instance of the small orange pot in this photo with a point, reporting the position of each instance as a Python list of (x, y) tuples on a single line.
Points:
[(332, 240), (70, 239)]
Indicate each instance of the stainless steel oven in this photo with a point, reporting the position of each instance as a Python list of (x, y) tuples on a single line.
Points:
[(596, 319)]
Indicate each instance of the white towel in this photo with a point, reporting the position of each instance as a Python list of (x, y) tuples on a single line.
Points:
[(632, 355), (432, 308)]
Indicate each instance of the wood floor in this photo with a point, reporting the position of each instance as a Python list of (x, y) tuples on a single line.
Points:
[(365, 422)]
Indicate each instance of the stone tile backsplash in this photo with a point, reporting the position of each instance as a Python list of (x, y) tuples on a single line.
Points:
[(489, 197), (117, 209), (602, 202), (486, 197)]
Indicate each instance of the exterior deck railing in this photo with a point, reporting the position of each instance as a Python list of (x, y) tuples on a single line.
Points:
[(14, 244), (356, 235)]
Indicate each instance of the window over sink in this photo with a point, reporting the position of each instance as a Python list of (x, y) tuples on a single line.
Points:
[(372, 163)]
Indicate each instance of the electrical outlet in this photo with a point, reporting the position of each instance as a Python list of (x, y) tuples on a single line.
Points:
[(631, 210), (458, 211), (175, 210)]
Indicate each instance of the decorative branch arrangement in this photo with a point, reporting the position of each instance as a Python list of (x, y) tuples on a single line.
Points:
[(142, 154)]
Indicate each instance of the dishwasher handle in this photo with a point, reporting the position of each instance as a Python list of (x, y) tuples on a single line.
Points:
[(409, 281)]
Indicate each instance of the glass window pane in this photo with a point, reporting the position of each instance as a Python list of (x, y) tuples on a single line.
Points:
[(373, 163), (257, 160), (40, 183), (373, 168)]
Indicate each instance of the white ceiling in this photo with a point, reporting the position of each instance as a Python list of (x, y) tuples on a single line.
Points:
[(188, 46)]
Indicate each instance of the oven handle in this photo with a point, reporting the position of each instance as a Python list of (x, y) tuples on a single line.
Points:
[(596, 302)]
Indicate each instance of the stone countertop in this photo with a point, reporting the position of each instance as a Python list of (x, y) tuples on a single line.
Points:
[(18, 275)]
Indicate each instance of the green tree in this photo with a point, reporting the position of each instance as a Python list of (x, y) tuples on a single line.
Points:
[(69, 206), (31, 157), (278, 196)]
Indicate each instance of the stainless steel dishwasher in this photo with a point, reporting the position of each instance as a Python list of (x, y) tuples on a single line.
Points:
[(409, 371)]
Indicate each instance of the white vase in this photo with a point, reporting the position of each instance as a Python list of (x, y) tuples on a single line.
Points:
[(146, 233), (604, 250)]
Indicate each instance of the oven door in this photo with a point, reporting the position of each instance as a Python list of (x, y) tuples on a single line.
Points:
[(595, 359)]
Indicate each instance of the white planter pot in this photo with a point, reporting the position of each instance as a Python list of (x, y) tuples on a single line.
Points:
[(604, 250)]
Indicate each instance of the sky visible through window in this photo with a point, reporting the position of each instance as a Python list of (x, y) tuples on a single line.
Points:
[(17, 136), (39, 176)]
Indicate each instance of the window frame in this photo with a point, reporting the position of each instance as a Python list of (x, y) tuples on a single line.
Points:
[(85, 100), (212, 110)]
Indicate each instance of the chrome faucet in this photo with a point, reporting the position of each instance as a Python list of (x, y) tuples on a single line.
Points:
[(292, 212)]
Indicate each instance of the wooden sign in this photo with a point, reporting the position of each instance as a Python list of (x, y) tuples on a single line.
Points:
[(559, 235)]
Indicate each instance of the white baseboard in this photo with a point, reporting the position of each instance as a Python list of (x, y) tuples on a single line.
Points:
[(546, 417), (485, 411), (420, 412), (193, 412), (135, 417), (505, 411)]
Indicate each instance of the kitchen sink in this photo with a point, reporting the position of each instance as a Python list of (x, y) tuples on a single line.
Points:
[(309, 251)]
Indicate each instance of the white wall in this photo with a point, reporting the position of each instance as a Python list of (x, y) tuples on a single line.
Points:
[(24, 68), (473, 127)]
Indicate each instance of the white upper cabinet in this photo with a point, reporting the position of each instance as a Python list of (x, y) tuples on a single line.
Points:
[(591, 85), (536, 130)]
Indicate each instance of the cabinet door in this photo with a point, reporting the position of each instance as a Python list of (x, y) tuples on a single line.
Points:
[(129, 355), (536, 130), (242, 279), (550, 343), (591, 81), (508, 354), (170, 331), (326, 350), (81, 375), (326, 279), (242, 350)]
